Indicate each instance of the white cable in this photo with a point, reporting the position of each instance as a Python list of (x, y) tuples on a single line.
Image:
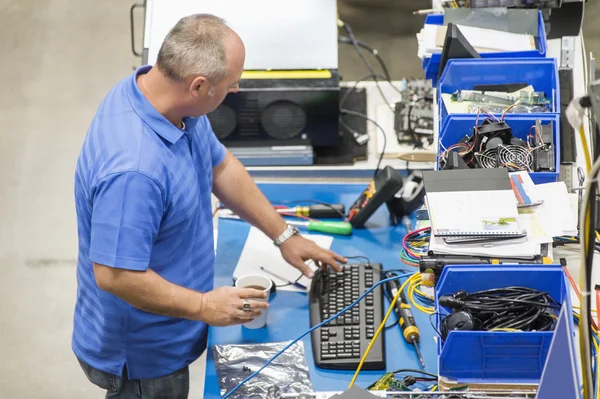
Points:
[(586, 75)]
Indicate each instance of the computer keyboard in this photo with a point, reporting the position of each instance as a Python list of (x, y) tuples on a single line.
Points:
[(341, 343)]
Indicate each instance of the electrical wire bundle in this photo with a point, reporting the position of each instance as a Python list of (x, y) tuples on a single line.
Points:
[(499, 309), (417, 296), (595, 348), (414, 245), (588, 235)]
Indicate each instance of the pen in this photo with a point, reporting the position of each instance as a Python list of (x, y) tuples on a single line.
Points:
[(294, 283)]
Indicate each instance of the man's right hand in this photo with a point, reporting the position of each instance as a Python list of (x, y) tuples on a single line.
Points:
[(224, 306)]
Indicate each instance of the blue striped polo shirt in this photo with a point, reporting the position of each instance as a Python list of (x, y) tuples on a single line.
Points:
[(143, 201)]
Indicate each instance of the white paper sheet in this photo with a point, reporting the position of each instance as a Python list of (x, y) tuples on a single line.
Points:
[(559, 215), (430, 40), (489, 40), (259, 251)]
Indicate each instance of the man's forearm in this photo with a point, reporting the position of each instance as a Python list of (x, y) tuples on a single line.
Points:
[(236, 189), (150, 292)]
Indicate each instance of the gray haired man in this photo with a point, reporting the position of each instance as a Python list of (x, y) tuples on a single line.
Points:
[(143, 183)]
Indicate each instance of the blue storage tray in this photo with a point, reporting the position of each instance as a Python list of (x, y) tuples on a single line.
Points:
[(463, 74), (431, 64), (457, 126), (497, 357)]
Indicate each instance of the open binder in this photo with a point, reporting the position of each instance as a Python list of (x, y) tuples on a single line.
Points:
[(472, 203)]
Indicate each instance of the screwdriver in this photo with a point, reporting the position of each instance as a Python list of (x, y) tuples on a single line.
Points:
[(324, 211), (409, 328), (336, 228)]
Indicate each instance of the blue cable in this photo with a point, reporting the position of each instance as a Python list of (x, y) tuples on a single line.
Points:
[(245, 380)]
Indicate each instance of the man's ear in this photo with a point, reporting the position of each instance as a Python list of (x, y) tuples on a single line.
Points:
[(199, 86)]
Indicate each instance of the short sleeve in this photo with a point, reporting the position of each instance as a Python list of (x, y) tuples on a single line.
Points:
[(217, 149), (126, 214)]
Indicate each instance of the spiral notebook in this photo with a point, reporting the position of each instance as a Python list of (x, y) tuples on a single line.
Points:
[(472, 202)]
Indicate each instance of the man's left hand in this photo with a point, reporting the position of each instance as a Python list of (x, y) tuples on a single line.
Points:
[(297, 250)]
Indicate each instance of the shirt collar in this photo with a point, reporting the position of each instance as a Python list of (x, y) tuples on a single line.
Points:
[(149, 114)]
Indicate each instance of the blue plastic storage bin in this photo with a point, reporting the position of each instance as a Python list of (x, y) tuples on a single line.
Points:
[(431, 64), (497, 357), (457, 126), (463, 74)]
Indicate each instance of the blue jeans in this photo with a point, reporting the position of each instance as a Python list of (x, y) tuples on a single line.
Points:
[(172, 386)]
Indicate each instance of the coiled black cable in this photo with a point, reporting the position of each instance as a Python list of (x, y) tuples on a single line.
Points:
[(510, 308)]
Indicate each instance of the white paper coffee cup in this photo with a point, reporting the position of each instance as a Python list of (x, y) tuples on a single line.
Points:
[(255, 281)]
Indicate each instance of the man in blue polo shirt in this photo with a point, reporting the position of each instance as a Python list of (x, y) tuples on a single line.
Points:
[(143, 186)]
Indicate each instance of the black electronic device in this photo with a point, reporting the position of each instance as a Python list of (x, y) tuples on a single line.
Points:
[(432, 265), (381, 189), (413, 116), (455, 161), (341, 343), (568, 146), (455, 46), (409, 198), (287, 111), (544, 154)]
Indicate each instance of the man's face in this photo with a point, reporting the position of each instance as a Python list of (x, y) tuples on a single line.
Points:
[(214, 94)]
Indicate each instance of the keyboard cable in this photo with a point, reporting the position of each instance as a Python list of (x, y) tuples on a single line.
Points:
[(379, 329), (238, 386)]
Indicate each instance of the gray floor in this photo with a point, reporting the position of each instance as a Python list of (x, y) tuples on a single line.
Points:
[(58, 60)]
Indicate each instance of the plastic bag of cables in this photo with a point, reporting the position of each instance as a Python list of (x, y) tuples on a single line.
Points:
[(287, 374)]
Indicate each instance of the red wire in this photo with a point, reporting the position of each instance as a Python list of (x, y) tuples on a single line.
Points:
[(410, 235), (577, 291), (505, 111)]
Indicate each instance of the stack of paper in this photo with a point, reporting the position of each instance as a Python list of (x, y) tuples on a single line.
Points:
[(544, 212), (517, 248), (431, 40)]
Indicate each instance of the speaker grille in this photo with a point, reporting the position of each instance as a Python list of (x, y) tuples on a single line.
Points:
[(223, 121), (248, 118), (283, 119)]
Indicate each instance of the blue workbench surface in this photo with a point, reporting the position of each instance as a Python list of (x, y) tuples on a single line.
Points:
[(288, 314)]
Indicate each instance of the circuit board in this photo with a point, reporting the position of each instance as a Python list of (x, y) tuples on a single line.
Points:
[(413, 120)]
